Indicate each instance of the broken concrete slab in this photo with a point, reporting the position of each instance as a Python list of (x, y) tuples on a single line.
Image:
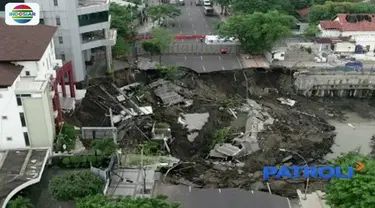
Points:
[(287, 101), (228, 150), (193, 122)]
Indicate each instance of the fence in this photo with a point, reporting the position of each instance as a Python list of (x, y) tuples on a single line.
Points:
[(198, 48)]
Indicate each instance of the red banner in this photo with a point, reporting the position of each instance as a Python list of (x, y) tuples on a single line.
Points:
[(176, 37)]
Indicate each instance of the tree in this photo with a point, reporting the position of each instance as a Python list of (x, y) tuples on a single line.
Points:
[(330, 9), (104, 146), (121, 48), (257, 32), (102, 201), (122, 18), (75, 184), (20, 202), (162, 11), (66, 140), (160, 42), (251, 6), (358, 192)]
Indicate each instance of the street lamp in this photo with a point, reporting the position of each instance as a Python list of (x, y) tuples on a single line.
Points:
[(306, 164)]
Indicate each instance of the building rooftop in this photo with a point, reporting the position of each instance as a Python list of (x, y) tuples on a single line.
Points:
[(9, 72), (191, 197), (29, 84), (350, 22), (330, 25), (20, 168), (85, 3), (24, 43)]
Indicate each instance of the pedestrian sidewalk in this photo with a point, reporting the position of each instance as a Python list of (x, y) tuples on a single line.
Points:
[(217, 9)]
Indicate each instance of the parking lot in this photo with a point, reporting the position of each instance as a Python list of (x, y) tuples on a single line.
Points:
[(204, 64)]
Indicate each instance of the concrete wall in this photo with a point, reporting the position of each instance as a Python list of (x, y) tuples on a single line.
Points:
[(342, 84)]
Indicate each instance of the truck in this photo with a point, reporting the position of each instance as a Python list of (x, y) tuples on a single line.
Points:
[(209, 11)]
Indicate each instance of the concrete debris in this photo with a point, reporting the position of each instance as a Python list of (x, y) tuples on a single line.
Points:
[(193, 122), (286, 159), (287, 101), (160, 132), (130, 86), (351, 125), (167, 92)]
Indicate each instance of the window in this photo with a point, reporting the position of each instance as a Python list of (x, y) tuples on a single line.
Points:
[(62, 56), (4, 117), (55, 3), (93, 18), (26, 137), (19, 100), (23, 121), (41, 21), (9, 138), (61, 40), (27, 73), (58, 22)]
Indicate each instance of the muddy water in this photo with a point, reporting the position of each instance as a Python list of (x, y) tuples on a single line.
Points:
[(349, 138)]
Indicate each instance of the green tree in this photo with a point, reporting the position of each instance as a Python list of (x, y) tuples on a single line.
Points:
[(20, 202), (330, 9), (75, 184), (358, 192), (251, 6), (101, 201), (150, 47), (104, 146), (257, 32), (121, 48), (67, 138), (161, 40), (162, 11), (122, 18)]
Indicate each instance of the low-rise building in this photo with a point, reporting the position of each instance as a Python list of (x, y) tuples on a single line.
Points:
[(360, 28), (29, 104)]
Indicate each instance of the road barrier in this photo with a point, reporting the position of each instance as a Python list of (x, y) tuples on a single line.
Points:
[(199, 48)]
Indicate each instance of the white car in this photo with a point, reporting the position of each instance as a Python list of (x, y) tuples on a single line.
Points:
[(207, 3)]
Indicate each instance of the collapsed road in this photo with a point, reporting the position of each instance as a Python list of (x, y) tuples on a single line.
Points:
[(229, 124)]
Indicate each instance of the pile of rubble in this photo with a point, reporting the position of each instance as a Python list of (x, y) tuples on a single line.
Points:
[(195, 107)]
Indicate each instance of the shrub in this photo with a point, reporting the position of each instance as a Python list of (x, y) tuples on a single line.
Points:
[(75, 184)]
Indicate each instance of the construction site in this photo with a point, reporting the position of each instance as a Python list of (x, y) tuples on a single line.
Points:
[(224, 127)]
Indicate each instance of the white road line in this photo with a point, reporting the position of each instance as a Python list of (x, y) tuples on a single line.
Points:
[(195, 32), (219, 57), (201, 57), (204, 68), (191, 20), (206, 25), (179, 26), (223, 68), (185, 58), (180, 31), (189, 15), (192, 25)]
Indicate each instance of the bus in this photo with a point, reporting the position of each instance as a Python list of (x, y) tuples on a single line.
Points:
[(209, 11)]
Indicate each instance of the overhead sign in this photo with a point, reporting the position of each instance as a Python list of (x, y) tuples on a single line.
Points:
[(322, 172)]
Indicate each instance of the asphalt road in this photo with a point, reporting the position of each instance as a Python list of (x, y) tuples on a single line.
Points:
[(205, 63)]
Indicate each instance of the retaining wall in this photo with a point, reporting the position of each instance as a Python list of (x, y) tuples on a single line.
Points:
[(341, 84)]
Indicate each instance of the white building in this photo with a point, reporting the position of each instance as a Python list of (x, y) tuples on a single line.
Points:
[(360, 28), (27, 69), (83, 35)]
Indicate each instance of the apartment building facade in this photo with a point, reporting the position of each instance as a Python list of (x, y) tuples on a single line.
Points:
[(28, 67), (83, 36)]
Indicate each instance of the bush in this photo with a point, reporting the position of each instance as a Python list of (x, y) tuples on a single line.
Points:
[(66, 161), (75, 184)]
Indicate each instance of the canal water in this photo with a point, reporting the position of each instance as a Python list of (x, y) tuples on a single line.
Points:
[(354, 133)]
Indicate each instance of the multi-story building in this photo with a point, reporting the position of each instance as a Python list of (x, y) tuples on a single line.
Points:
[(29, 104), (83, 35)]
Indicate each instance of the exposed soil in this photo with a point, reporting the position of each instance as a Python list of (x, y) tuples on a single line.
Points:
[(301, 128)]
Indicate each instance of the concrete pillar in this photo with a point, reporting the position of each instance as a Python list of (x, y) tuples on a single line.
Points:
[(108, 51)]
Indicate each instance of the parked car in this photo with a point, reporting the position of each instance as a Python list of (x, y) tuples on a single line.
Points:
[(198, 3), (182, 2)]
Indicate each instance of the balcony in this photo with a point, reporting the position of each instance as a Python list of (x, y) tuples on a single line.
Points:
[(92, 6), (98, 38), (94, 21)]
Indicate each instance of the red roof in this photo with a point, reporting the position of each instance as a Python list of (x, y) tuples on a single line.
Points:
[(303, 12), (363, 25), (9, 72), (330, 25)]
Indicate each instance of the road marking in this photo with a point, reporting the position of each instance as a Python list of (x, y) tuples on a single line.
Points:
[(197, 40), (206, 25), (195, 32), (179, 26), (191, 20), (185, 58), (180, 31), (238, 60), (189, 15), (204, 68), (192, 25), (223, 68), (201, 57), (219, 57)]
